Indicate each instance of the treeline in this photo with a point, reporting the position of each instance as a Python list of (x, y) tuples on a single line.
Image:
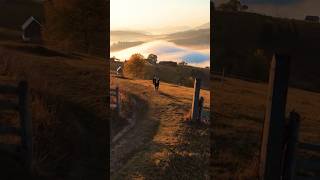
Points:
[(76, 25), (243, 45)]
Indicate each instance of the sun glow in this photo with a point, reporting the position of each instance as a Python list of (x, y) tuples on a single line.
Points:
[(152, 15)]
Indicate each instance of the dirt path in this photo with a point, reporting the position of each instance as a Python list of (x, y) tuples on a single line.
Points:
[(162, 145)]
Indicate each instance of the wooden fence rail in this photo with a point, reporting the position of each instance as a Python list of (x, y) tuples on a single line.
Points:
[(23, 150), (309, 164), (115, 93), (311, 147)]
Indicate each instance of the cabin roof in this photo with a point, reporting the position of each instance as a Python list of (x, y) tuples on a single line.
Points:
[(29, 21)]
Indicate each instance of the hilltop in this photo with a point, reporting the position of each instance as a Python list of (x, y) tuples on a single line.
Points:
[(244, 44)]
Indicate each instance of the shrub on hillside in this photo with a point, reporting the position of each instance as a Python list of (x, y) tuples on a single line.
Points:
[(135, 67)]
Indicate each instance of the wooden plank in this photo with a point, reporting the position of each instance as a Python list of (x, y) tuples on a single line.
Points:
[(8, 105), (9, 130), (308, 164), (195, 101), (311, 147), (306, 178), (26, 124), (8, 89), (222, 78), (274, 122), (291, 146), (14, 149), (118, 100)]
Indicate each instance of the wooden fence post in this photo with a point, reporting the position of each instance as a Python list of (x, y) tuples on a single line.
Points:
[(118, 100), (222, 79), (293, 134), (195, 102), (25, 122), (274, 122)]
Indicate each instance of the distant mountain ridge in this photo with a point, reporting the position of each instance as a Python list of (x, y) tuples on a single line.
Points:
[(196, 36), (127, 33), (203, 26)]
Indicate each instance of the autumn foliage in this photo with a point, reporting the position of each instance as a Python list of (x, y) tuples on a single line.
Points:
[(135, 66)]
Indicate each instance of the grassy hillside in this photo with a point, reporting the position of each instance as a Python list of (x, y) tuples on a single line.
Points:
[(237, 110), (181, 75), (244, 43), (191, 37), (162, 144), (15, 12), (68, 110)]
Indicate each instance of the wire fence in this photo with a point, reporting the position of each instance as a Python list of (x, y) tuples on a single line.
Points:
[(220, 75)]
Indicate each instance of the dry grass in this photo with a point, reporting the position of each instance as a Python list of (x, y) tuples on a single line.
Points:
[(68, 103), (238, 112), (180, 75), (171, 148)]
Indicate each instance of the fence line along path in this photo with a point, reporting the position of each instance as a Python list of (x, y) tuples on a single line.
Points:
[(24, 150), (116, 94)]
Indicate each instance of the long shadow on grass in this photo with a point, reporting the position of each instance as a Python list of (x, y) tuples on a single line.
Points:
[(235, 150), (187, 160)]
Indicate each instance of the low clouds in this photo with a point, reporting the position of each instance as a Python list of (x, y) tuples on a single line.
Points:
[(168, 51)]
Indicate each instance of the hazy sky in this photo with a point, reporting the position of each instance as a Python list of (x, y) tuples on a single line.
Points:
[(148, 15), (296, 9)]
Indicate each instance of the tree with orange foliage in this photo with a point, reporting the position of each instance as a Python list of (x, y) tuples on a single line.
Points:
[(135, 66)]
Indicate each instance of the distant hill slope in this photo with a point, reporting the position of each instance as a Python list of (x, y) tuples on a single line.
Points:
[(127, 33), (191, 37), (13, 13), (197, 36), (204, 26), (244, 44)]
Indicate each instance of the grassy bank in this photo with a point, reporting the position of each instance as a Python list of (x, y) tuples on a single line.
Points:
[(163, 145), (238, 114), (245, 42), (68, 102)]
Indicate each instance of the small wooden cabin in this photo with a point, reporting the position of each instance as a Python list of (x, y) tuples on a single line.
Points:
[(31, 30), (312, 18)]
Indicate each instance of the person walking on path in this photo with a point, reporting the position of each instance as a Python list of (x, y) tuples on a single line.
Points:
[(154, 79), (157, 84)]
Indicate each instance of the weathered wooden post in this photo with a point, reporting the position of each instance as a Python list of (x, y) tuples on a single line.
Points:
[(292, 142), (25, 122), (274, 122), (118, 100), (195, 101), (222, 79)]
